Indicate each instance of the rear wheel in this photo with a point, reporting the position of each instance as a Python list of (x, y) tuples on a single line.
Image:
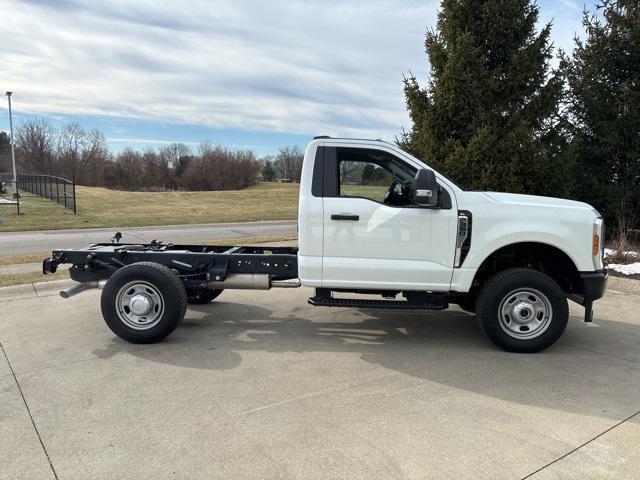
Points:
[(202, 296), (143, 302), (522, 310)]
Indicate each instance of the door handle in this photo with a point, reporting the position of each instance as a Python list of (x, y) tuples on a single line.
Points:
[(353, 218)]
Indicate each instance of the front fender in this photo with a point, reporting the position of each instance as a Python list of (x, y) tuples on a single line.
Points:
[(498, 237), (571, 236)]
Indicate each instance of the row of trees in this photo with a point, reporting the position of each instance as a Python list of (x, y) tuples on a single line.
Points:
[(177, 167), (73, 152), (496, 116), (68, 152)]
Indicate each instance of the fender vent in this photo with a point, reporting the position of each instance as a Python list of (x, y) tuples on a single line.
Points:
[(463, 240)]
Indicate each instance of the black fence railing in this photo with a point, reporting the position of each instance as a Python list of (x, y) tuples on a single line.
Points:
[(56, 189)]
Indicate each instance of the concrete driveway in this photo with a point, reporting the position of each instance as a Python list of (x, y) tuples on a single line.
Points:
[(261, 385)]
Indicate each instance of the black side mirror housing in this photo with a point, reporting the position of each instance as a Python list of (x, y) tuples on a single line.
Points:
[(426, 192)]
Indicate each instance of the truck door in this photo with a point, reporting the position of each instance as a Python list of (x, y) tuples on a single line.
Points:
[(374, 237)]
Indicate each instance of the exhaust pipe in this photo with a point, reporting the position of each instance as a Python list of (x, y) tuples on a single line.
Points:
[(240, 281), (81, 287), (289, 283)]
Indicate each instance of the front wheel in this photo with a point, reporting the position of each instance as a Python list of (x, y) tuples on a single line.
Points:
[(522, 310), (143, 302)]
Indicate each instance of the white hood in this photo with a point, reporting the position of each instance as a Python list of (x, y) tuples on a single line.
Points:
[(535, 201)]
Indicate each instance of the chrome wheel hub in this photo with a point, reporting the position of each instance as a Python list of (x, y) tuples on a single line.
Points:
[(522, 312), (525, 313), (140, 305)]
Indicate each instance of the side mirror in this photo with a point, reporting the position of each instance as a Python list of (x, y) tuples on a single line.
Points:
[(426, 193)]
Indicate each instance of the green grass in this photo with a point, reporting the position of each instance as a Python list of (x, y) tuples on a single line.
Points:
[(101, 207)]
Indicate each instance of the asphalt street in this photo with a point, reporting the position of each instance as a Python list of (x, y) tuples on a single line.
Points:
[(20, 243)]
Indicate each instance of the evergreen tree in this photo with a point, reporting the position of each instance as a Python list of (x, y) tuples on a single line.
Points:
[(268, 170), (488, 117), (604, 107)]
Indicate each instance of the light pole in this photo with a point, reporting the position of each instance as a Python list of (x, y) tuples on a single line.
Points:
[(13, 151)]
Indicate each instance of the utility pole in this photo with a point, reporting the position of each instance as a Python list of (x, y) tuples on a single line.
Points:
[(13, 151), (16, 194)]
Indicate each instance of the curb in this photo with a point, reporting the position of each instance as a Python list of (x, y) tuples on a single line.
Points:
[(33, 290)]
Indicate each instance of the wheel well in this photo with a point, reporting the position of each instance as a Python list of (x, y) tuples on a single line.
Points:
[(544, 258)]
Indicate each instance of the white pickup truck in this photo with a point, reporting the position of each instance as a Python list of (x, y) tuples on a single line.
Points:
[(377, 228)]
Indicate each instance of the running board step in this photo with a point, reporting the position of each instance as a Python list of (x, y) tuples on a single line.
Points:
[(392, 304)]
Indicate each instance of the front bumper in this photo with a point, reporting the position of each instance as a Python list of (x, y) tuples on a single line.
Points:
[(594, 285)]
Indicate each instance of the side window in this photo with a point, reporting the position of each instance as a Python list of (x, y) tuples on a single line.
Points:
[(376, 175), (363, 179)]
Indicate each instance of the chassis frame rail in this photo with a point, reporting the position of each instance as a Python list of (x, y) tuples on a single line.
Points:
[(194, 264)]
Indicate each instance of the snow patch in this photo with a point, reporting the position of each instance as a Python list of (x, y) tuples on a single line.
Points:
[(629, 269), (610, 252)]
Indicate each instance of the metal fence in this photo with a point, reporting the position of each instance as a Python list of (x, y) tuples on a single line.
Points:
[(56, 189)]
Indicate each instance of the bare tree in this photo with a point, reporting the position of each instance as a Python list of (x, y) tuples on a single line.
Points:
[(288, 163), (218, 168), (156, 172), (129, 168), (35, 146), (82, 155)]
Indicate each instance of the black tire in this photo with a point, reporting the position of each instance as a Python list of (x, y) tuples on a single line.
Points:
[(154, 280), (203, 295), (510, 284)]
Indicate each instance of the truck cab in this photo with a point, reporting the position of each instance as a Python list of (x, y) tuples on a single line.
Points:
[(375, 219)]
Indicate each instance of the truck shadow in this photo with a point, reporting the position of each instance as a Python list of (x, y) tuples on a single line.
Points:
[(589, 369)]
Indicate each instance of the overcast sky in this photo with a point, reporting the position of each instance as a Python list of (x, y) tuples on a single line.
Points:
[(247, 73)]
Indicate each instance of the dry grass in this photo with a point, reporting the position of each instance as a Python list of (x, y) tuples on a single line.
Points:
[(622, 257), (375, 192), (9, 279), (101, 207), (20, 259), (625, 251)]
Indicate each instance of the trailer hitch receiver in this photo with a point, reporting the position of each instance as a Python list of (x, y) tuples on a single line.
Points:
[(49, 266)]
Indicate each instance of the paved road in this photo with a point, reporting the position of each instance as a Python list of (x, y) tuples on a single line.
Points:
[(18, 243), (260, 385)]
